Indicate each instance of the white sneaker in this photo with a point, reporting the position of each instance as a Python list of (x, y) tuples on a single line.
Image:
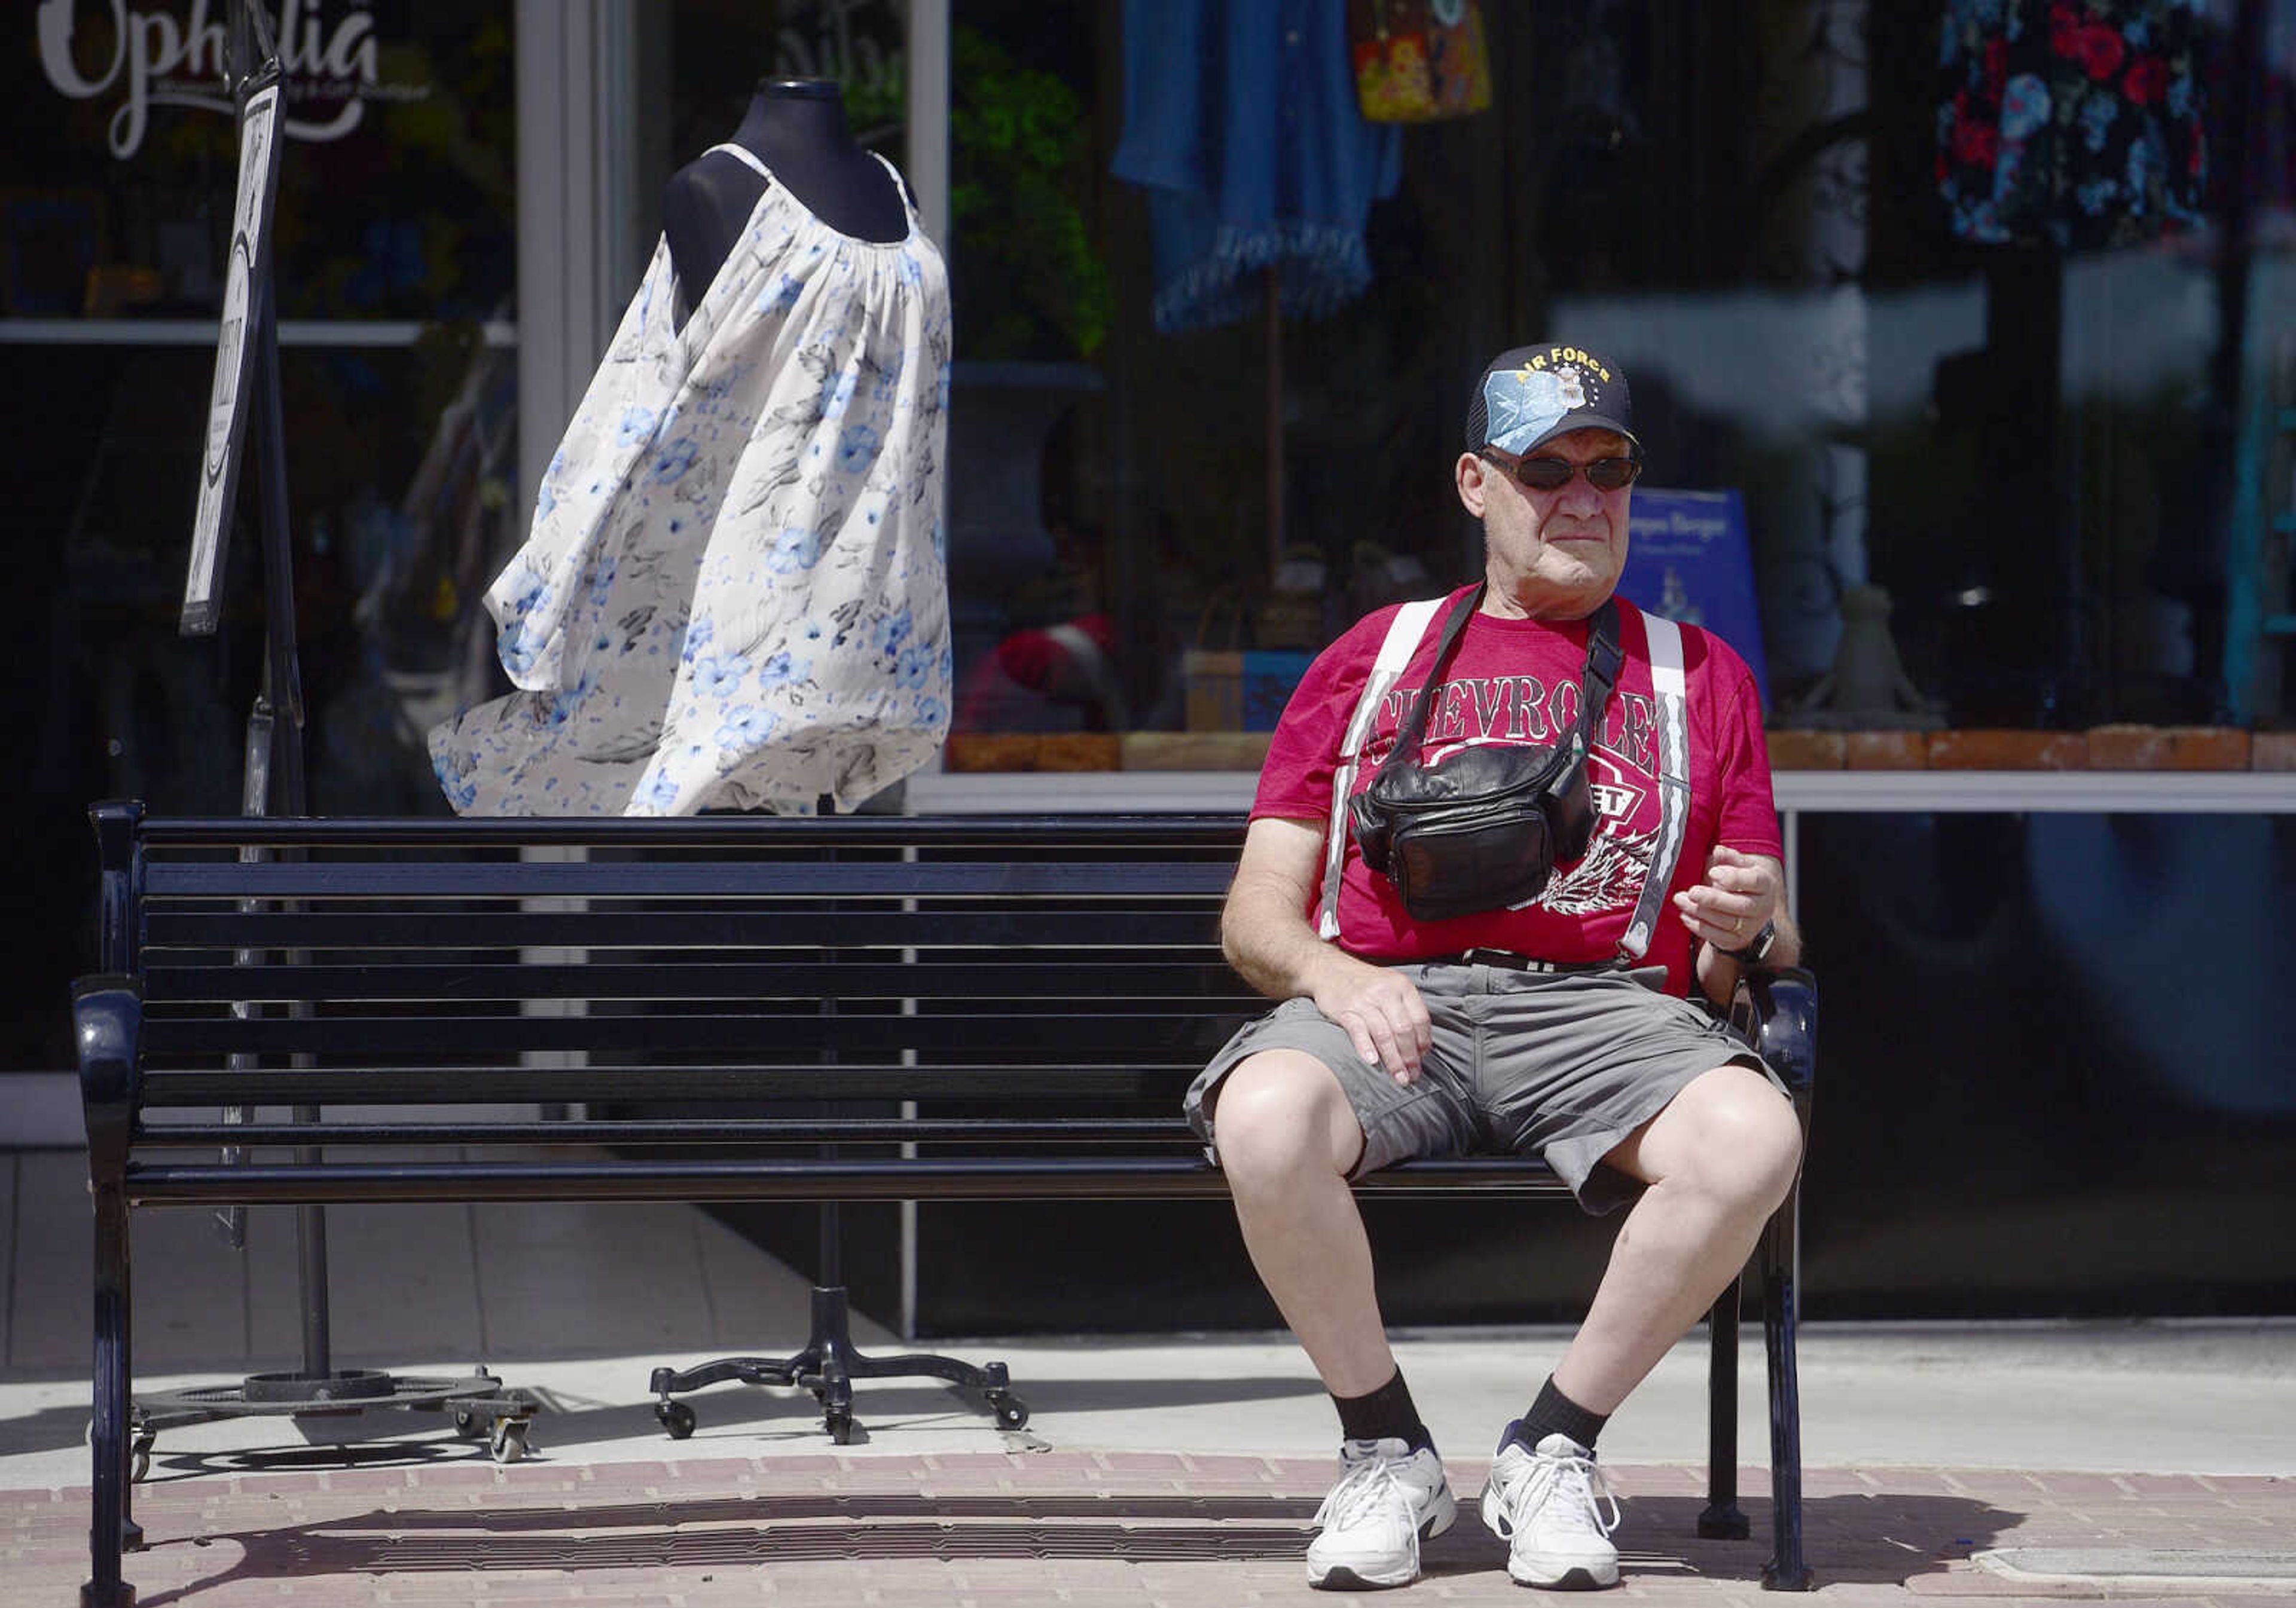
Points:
[(1389, 1498), (1549, 1506)]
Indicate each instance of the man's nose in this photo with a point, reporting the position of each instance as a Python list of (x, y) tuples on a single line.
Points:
[(1580, 495)]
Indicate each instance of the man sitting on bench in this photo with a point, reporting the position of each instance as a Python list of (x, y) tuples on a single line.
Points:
[(1460, 1002)]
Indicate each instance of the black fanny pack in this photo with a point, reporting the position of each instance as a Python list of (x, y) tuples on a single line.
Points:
[(1484, 827)]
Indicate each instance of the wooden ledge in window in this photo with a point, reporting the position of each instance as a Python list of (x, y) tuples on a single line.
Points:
[(1195, 750), (1010, 751), (2168, 749), (2113, 747), (1991, 748), (1032, 751)]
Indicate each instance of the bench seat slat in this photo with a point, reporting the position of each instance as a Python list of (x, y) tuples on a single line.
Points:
[(715, 1130), (811, 1178)]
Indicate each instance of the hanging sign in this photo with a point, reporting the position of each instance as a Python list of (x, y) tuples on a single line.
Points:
[(245, 300)]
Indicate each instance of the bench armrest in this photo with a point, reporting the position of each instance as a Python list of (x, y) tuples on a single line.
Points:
[(1776, 1013), (106, 1021)]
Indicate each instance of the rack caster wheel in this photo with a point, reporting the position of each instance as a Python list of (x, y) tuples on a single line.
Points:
[(675, 1418), (839, 1426), (1012, 1412), (469, 1424), (139, 1459), (508, 1442)]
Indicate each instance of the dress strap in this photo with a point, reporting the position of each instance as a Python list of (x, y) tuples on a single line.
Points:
[(901, 186), (746, 156)]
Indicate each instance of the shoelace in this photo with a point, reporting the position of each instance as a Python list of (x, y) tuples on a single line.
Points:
[(1577, 1486), (1364, 1486)]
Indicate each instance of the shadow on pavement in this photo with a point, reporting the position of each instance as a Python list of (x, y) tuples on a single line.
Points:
[(49, 1429), (787, 1412), (1872, 1540)]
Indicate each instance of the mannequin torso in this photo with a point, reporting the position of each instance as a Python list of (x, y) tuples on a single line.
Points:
[(797, 128)]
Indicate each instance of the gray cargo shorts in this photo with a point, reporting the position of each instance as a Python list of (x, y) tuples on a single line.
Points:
[(1563, 1066)]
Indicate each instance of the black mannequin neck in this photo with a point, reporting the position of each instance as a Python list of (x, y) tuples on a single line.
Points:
[(797, 128), (799, 120)]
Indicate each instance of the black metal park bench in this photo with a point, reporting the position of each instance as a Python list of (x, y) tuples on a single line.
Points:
[(922, 978)]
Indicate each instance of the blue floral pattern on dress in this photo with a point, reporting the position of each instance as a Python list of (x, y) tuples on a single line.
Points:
[(733, 592)]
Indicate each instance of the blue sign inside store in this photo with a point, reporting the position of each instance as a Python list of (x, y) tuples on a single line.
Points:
[(1687, 559)]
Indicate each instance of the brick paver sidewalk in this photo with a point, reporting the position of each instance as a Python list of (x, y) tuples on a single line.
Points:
[(439, 1523)]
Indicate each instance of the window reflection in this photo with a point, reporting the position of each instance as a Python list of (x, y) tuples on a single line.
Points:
[(2017, 468)]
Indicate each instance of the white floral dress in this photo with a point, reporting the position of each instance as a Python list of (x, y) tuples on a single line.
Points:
[(733, 594)]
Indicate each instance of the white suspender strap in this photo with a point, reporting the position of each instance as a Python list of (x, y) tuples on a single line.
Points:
[(1673, 736), (1395, 651)]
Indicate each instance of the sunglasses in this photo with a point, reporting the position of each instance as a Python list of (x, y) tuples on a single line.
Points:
[(1552, 474)]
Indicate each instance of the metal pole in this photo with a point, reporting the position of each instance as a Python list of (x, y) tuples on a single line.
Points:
[(283, 680)]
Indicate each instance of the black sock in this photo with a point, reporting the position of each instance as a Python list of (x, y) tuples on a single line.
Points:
[(1555, 1413), (1385, 1415)]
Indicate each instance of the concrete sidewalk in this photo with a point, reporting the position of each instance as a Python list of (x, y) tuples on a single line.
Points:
[(2144, 1463), (2147, 1462), (441, 1524)]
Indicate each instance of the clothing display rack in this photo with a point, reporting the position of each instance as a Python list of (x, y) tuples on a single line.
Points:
[(829, 1362)]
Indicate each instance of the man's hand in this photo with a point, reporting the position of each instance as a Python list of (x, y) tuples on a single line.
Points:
[(1266, 933), (1739, 894), (1382, 1009)]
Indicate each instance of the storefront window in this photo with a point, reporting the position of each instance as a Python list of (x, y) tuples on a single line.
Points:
[(720, 49), (1980, 460), (395, 232), (394, 202)]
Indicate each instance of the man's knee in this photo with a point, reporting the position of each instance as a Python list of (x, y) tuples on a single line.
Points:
[(1732, 1134), (1282, 1112)]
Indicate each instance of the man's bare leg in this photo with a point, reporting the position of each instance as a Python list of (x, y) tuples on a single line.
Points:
[(1719, 1160), (1287, 1139)]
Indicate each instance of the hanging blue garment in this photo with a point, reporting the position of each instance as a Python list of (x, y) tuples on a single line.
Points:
[(1240, 120)]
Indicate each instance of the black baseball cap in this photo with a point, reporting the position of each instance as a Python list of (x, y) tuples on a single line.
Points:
[(1530, 395)]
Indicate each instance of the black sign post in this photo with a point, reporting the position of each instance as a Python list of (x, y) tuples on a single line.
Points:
[(245, 399)]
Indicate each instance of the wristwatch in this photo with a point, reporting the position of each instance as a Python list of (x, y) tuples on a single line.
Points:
[(1757, 949)]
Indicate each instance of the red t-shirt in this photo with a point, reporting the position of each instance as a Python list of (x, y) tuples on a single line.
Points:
[(1518, 681)]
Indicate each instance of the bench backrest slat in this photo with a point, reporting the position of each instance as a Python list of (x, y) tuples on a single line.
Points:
[(216, 980), (712, 880), (801, 1035), (733, 971), (700, 927), (735, 1083)]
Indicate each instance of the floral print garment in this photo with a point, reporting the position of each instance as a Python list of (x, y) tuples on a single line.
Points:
[(2072, 121), (733, 594)]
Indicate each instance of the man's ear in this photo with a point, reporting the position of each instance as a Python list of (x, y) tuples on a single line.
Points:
[(1473, 475)]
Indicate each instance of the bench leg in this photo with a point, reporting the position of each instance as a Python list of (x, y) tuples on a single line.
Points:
[(108, 1523), (1722, 1519), (1787, 1570)]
